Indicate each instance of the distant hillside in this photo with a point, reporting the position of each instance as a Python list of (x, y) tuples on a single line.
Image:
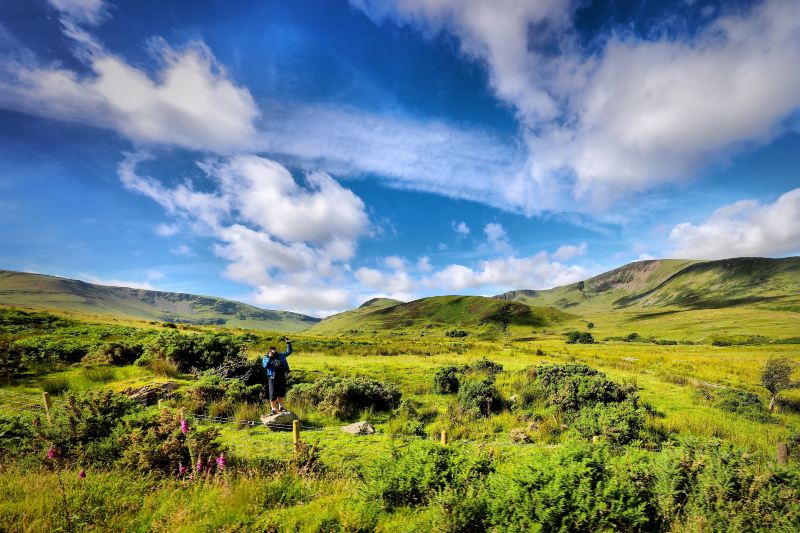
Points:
[(681, 283), (685, 299), (438, 314), (50, 292)]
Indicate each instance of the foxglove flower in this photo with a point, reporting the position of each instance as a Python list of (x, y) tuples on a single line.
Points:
[(82, 474), (52, 453), (221, 461), (181, 469), (184, 426), (199, 465)]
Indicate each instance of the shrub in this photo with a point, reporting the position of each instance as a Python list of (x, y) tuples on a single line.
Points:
[(777, 376), (422, 471), (16, 434), (619, 423), (10, 359), (578, 488), (573, 386), (345, 397), (747, 404), (445, 380), (199, 352), (590, 325), (484, 365), (579, 337), (113, 353), (481, 396), (456, 333), (632, 337)]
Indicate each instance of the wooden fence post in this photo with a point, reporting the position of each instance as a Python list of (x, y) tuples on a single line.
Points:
[(444, 437), (47, 404), (296, 432), (783, 453)]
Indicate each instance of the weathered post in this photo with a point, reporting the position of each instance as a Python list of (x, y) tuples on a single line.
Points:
[(444, 437), (783, 453), (296, 432), (47, 404)]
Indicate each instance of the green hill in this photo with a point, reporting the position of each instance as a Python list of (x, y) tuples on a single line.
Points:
[(438, 314), (681, 297), (36, 291)]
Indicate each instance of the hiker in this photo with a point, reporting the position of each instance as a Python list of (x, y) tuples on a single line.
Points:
[(277, 370)]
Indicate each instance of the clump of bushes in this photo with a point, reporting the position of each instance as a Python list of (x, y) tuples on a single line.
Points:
[(346, 397), (194, 352), (573, 386), (113, 353), (481, 396), (456, 333), (746, 404), (445, 380), (579, 337)]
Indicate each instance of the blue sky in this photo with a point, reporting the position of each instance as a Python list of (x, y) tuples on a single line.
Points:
[(309, 155)]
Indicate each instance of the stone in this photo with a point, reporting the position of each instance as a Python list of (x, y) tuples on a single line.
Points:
[(359, 428), (519, 436), (279, 421), (150, 394)]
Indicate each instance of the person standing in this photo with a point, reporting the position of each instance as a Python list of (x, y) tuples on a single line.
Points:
[(277, 370)]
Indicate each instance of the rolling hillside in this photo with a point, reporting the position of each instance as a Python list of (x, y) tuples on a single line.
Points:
[(754, 295), (35, 291), (438, 314)]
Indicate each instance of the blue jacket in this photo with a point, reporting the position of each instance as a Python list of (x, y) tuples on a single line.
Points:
[(279, 357)]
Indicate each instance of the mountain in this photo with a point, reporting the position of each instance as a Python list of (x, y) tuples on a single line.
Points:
[(38, 291), (748, 294), (438, 314)]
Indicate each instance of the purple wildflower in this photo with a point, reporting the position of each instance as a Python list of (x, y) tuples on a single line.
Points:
[(184, 426), (199, 465), (52, 453), (82, 474), (181, 469), (221, 461)]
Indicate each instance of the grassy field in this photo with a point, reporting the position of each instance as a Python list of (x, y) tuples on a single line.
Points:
[(344, 482)]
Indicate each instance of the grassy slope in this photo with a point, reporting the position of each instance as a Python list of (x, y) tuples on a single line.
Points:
[(437, 314), (685, 299), (35, 291)]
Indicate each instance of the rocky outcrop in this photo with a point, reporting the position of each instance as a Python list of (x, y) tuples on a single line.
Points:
[(279, 421), (359, 428), (151, 393)]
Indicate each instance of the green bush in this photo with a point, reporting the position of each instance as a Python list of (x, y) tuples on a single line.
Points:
[(480, 396), (743, 403), (421, 472), (199, 352), (485, 366), (456, 333), (573, 386), (113, 353), (55, 386), (445, 380), (579, 337), (578, 488), (345, 397), (619, 423), (10, 359)]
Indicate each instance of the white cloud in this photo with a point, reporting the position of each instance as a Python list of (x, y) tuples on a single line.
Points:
[(183, 250), (461, 228), (154, 275), (273, 233), (395, 262), (424, 264), (533, 272), (497, 237), (84, 11), (395, 282), (189, 102), (111, 282), (638, 113), (568, 251), (315, 301), (745, 228), (166, 230)]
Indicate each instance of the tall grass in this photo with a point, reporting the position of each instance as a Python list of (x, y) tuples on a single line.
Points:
[(56, 385)]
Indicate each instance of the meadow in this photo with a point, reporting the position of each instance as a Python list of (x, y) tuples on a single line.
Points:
[(541, 434)]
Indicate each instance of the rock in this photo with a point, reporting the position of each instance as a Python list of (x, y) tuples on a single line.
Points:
[(359, 428), (150, 394), (519, 436), (512, 399), (279, 421)]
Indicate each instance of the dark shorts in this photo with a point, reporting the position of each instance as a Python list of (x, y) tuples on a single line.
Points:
[(277, 388)]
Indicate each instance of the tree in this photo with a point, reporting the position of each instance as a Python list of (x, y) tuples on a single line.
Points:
[(777, 376), (590, 325), (581, 286)]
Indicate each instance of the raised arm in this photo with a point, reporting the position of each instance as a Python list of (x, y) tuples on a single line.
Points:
[(288, 349)]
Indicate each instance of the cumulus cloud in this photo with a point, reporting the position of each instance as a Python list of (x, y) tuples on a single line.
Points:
[(189, 102), (461, 227), (568, 251), (183, 251), (745, 228), (497, 238), (276, 235), (166, 230), (630, 113), (83, 11)]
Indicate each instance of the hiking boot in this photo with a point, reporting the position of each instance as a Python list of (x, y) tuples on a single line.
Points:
[(273, 412), (283, 409)]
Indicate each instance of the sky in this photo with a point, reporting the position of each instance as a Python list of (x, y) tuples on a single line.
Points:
[(310, 155)]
